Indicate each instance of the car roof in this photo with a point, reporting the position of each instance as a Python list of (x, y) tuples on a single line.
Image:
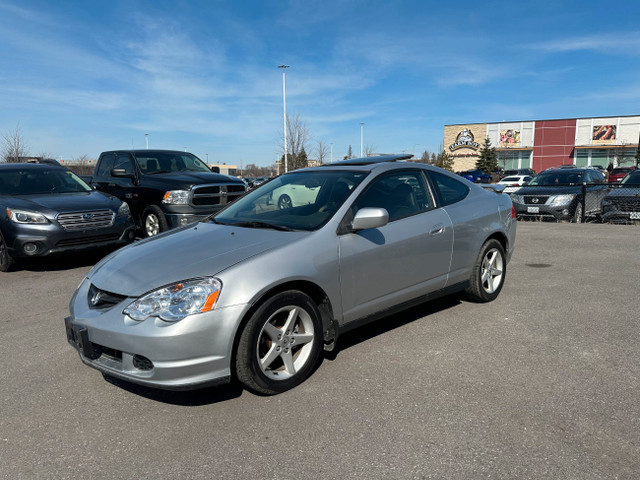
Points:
[(372, 160), (28, 166), (144, 150)]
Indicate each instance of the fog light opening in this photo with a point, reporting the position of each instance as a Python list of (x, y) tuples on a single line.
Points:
[(30, 248), (565, 212), (183, 221), (142, 363)]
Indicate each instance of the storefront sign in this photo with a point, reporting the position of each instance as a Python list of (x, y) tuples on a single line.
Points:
[(603, 134), (510, 138), (465, 139)]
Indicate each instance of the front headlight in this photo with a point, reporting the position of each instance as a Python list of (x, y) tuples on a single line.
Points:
[(24, 216), (176, 197), (515, 198), (175, 302), (561, 200), (124, 210)]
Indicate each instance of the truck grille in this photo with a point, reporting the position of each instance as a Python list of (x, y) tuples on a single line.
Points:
[(216, 194), (626, 204), (86, 220)]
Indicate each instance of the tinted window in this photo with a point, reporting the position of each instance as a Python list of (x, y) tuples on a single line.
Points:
[(32, 182), (450, 190), (632, 179), (402, 194), (123, 160), (106, 164)]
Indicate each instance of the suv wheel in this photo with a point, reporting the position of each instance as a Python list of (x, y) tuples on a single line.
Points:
[(153, 221), (6, 261), (577, 215)]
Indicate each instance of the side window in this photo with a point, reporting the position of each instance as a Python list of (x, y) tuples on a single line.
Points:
[(402, 194), (123, 160), (450, 190), (106, 164)]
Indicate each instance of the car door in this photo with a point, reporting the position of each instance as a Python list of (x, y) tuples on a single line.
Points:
[(402, 260)]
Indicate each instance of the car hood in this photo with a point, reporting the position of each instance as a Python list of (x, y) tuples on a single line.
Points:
[(63, 202), (191, 252), (185, 179)]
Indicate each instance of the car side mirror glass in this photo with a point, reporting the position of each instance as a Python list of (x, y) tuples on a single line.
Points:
[(366, 218), (215, 169)]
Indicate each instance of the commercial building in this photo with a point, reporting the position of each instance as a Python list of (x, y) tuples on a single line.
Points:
[(541, 144)]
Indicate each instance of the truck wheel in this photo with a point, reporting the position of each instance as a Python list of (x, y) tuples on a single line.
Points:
[(153, 221)]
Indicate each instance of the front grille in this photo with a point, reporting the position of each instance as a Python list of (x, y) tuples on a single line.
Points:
[(86, 220), (203, 195), (73, 242), (626, 204), (100, 299), (535, 199)]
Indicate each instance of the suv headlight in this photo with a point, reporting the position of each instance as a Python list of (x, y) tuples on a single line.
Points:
[(177, 301), (561, 200), (515, 198), (176, 197), (25, 216), (124, 210)]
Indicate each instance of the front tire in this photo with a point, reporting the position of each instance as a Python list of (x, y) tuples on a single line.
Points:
[(7, 262), (487, 277), (284, 202), (280, 344), (577, 215), (153, 221)]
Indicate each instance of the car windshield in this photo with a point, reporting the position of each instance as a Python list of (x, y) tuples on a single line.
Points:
[(38, 181), (631, 179), (303, 200), (557, 178), (165, 162)]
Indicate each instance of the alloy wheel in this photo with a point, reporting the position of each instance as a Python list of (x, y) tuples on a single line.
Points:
[(492, 270)]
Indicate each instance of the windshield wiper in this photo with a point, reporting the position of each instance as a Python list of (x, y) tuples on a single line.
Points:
[(262, 225), (160, 171)]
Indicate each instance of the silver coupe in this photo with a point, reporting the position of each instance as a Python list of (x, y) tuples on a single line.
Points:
[(257, 291)]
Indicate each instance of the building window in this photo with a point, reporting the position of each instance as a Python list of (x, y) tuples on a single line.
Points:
[(511, 160), (621, 156)]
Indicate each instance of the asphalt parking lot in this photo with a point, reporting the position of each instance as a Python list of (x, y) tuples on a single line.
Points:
[(542, 383)]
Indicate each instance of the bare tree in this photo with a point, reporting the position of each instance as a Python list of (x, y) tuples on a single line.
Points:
[(369, 150), (14, 147), (298, 136), (322, 151)]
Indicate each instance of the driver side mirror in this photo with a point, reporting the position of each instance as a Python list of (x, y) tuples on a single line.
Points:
[(215, 169), (367, 218)]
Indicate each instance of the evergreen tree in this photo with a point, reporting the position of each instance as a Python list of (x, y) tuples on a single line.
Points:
[(349, 153), (300, 160), (444, 160), (488, 158)]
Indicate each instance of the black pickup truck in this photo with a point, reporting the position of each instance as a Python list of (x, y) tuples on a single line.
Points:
[(164, 188)]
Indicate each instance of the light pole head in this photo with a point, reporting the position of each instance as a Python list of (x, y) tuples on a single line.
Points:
[(283, 66)]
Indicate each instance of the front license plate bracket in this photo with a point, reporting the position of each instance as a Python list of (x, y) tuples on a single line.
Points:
[(78, 337)]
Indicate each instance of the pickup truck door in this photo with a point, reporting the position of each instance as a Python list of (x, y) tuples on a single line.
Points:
[(121, 187)]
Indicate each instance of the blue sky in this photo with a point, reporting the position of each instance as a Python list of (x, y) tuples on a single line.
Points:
[(78, 78)]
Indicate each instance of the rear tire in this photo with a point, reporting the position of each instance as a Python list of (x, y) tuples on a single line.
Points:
[(280, 345), (153, 221), (489, 271)]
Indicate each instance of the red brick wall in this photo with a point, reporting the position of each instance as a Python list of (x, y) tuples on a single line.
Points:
[(553, 143)]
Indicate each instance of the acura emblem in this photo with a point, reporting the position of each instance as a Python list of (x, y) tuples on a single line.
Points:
[(534, 200)]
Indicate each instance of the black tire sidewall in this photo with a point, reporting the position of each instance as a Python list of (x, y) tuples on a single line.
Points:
[(247, 367), (6, 260), (476, 291)]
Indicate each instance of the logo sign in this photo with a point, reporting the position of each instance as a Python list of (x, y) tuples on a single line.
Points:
[(465, 139), (535, 200), (87, 216), (95, 299)]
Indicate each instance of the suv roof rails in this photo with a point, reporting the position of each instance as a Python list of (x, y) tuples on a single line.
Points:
[(374, 159)]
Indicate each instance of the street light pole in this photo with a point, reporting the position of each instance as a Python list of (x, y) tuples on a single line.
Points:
[(362, 139), (146, 140), (284, 109), (332, 153)]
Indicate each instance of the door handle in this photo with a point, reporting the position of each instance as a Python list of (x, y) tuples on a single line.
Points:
[(437, 230)]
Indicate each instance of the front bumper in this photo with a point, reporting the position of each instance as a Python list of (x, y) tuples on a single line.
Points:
[(560, 212), (192, 353), (53, 239)]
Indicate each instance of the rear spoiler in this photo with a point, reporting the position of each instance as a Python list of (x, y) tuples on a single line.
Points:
[(493, 187)]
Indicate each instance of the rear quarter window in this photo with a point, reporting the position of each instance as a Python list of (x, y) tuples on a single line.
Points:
[(448, 189)]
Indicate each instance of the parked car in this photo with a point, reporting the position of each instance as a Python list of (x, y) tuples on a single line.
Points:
[(476, 176), (557, 194), (164, 188), (519, 171), (295, 194), (46, 209), (514, 182), (618, 173), (623, 204), (256, 293)]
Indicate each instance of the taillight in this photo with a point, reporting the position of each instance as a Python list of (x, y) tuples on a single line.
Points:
[(513, 211)]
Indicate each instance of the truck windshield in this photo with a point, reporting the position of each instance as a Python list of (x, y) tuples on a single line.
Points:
[(165, 162)]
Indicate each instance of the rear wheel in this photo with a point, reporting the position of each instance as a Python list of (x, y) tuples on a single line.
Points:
[(153, 221), (280, 344), (7, 262), (284, 202), (487, 277)]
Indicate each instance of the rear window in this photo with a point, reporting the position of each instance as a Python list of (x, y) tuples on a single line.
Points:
[(511, 179)]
